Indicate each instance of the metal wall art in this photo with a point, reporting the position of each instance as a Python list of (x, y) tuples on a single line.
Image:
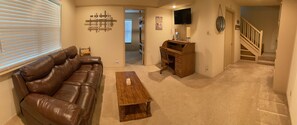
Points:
[(101, 22), (220, 22)]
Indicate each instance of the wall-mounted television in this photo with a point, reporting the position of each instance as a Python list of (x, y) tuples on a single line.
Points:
[(182, 16)]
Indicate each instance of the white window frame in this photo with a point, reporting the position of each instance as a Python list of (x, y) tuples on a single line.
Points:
[(131, 31), (34, 30)]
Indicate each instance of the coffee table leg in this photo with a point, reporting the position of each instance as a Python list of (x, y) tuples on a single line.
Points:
[(122, 113), (148, 109)]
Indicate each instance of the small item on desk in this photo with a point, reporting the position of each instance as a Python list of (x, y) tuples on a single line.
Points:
[(128, 81)]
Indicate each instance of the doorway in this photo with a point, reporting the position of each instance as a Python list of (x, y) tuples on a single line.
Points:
[(229, 39), (134, 36)]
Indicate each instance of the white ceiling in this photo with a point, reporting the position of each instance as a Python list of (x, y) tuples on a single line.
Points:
[(168, 3), (258, 2)]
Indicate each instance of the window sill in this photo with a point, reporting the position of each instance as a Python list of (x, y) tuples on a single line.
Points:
[(13, 68)]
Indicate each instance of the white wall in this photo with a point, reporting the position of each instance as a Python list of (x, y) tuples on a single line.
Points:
[(9, 105), (286, 38), (154, 38), (108, 45), (210, 43), (68, 23), (264, 18), (292, 87)]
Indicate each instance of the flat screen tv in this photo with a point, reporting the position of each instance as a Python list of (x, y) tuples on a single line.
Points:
[(182, 16)]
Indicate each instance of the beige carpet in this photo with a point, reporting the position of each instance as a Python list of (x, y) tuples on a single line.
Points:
[(241, 95)]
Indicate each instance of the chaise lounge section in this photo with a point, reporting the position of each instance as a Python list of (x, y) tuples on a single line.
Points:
[(59, 89)]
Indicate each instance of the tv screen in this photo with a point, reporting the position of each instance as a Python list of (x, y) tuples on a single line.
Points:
[(182, 16)]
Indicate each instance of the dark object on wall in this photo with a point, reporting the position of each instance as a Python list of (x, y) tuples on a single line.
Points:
[(102, 22), (183, 16), (220, 22)]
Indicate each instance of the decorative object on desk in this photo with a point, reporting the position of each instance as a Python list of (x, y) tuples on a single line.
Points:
[(176, 35), (85, 51), (128, 81), (237, 27), (220, 22), (159, 23), (188, 33), (101, 22)]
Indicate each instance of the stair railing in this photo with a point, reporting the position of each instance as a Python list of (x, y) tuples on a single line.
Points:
[(252, 35)]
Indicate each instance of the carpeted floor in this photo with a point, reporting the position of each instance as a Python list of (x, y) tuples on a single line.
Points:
[(241, 95)]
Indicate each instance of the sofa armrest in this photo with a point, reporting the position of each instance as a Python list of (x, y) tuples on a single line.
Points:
[(57, 111), (90, 60)]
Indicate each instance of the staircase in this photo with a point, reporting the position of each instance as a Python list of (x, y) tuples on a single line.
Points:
[(251, 41), (267, 58)]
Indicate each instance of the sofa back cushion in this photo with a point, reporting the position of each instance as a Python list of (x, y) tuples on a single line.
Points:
[(75, 63), (49, 84), (59, 57), (71, 52), (37, 69), (66, 68)]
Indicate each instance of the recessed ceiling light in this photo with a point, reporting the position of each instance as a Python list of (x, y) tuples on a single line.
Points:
[(173, 6)]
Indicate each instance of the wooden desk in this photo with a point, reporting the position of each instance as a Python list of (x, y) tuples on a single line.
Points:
[(183, 54), (133, 100)]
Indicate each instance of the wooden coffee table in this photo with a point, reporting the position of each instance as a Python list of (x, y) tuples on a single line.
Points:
[(133, 100)]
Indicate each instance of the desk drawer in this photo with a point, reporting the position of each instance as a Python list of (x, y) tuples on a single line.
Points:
[(178, 59)]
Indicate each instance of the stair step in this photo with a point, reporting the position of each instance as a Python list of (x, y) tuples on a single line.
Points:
[(266, 58), (247, 56), (266, 62), (245, 50), (246, 53)]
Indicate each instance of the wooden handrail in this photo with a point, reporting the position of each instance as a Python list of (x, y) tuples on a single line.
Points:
[(252, 35), (250, 24)]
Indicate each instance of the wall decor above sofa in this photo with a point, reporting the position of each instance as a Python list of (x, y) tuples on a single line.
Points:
[(102, 22)]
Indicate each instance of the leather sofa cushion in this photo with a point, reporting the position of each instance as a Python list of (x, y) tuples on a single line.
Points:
[(97, 67), (78, 77), (71, 52), (85, 67), (47, 85), (57, 111), (72, 83), (59, 57), (86, 99), (66, 68), (93, 79), (37, 69), (68, 93), (74, 63)]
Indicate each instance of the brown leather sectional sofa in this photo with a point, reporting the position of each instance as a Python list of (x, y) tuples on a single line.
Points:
[(59, 89)]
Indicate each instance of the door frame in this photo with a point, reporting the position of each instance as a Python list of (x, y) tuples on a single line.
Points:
[(143, 35), (232, 37)]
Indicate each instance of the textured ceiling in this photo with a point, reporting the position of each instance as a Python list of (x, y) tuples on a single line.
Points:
[(258, 2), (168, 3)]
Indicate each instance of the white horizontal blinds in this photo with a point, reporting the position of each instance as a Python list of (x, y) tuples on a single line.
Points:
[(28, 29)]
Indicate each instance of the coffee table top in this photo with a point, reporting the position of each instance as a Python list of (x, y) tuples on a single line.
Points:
[(130, 94)]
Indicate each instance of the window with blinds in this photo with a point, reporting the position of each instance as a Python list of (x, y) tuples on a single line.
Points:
[(28, 29)]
